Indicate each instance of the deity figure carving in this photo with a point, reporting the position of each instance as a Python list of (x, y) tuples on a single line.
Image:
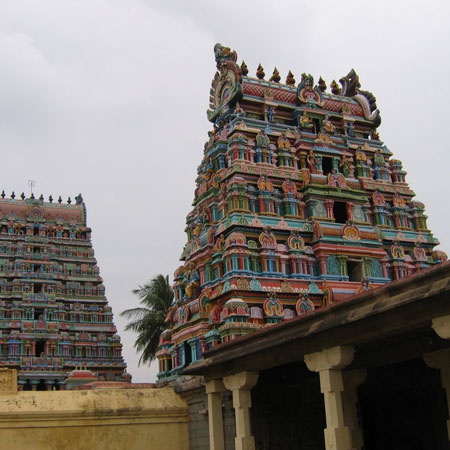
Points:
[(206, 168), (397, 251), (364, 287), (328, 126), (238, 111), (272, 306), (295, 241), (350, 129), (264, 184), (346, 164), (379, 165), (262, 140), (378, 158), (360, 155), (307, 93), (336, 179), (374, 135), (289, 187), (398, 200), (378, 198), (220, 244), (304, 305), (327, 293), (419, 253), (283, 142), (305, 121), (312, 163), (191, 280), (267, 238), (226, 87)]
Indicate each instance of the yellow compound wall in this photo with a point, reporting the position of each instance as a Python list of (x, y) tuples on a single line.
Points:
[(116, 419)]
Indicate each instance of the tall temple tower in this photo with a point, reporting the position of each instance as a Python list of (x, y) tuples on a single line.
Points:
[(298, 205), (54, 316)]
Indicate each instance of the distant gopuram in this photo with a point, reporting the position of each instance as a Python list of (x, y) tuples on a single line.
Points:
[(298, 206), (54, 316)]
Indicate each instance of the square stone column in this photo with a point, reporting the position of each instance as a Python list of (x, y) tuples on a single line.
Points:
[(240, 385), (441, 359), (441, 325), (214, 389), (352, 380), (329, 364)]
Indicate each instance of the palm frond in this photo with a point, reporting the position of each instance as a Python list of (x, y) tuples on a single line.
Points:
[(156, 297)]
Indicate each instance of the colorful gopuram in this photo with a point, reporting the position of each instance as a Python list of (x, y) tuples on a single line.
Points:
[(298, 205), (54, 316)]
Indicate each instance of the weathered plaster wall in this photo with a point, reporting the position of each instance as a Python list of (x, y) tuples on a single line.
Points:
[(118, 419)]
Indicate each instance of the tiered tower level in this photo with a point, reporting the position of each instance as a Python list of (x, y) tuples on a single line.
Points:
[(54, 316), (298, 205)]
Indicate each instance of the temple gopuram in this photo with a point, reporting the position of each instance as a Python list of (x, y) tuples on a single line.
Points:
[(54, 317), (298, 205)]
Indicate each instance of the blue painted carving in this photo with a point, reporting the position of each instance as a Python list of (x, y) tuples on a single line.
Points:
[(226, 286), (255, 285), (376, 269), (313, 289), (333, 267)]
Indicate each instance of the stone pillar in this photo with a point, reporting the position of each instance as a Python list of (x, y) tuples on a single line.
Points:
[(214, 389), (329, 207), (240, 385), (352, 380), (329, 364), (193, 348), (441, 359), (343, 264), (441, 325), (323, 264)]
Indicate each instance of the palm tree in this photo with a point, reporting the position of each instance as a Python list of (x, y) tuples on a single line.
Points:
[(147, 320)]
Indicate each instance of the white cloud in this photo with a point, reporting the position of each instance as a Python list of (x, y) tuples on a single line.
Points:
[(108, 97)]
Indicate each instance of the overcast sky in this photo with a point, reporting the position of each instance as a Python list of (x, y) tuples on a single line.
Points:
[(109, 98)]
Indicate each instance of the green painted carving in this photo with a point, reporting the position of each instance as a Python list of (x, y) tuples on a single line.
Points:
[(226, 286), (255, 285), (252, 244), (333, 266), (376, 269), (308, 227), (313, 289), (319, 209), (358, 214)]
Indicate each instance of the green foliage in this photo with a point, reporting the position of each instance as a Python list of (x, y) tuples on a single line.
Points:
[(148, 320)]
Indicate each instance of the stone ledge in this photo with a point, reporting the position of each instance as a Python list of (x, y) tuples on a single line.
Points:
[(115, 402)]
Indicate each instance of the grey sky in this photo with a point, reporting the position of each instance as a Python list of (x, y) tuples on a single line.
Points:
[(108, 98)]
